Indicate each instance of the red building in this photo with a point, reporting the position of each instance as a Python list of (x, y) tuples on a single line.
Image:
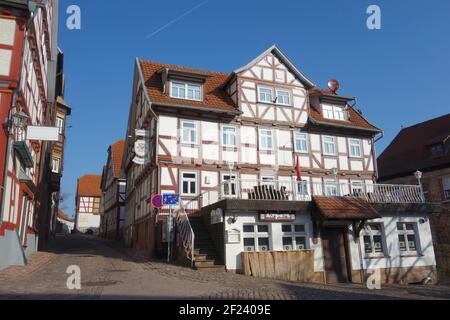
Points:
[(28, 65)]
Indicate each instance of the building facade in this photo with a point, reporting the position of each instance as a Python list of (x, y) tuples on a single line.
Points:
[(64, 224), (258, 156), (88, 199), (113, 194), (28, 63), (429, 154)]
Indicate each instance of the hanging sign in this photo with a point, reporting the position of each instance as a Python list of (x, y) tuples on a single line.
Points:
[(141, 147)]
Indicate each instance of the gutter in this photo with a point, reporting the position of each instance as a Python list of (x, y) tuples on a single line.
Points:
[(313, 121), (229, 112)]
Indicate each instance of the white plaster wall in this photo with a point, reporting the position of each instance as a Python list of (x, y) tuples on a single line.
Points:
[(233, 251), (88, 221), (392, 246)]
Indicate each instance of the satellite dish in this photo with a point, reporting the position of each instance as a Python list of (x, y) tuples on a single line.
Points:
[(333, 85)]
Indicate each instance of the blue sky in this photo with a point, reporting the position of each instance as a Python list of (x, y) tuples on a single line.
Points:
[(399, 73)]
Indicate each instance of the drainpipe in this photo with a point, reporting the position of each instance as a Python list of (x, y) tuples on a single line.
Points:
[(374, 154)]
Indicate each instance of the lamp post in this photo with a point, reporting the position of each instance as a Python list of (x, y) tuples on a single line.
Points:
[(418, 175)]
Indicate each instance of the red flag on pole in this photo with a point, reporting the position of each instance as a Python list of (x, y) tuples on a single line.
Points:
[(299, 170)]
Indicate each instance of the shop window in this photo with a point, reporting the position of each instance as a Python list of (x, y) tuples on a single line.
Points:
[(407, 236), (256, 238), (294, 237), (373, 240)]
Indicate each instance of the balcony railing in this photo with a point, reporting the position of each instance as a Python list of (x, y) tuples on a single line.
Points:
[(305, 190)]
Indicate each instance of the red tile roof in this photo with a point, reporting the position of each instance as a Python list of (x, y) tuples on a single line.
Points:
[(356, 120), (214, 95), (89, 186), (63, 216), (345, 208), (117, 154), (410, 150)]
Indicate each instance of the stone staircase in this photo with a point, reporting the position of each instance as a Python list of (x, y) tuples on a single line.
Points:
[(206, 257)]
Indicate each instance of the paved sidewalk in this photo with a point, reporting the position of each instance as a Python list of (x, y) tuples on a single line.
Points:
[(36, 262)]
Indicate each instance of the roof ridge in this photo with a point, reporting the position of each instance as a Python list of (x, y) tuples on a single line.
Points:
[(182, 66), (426, 122)]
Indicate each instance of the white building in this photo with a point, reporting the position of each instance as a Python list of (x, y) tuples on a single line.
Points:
[(229, 144)]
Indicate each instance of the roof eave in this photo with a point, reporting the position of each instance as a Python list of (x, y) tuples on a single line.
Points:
[(322, 123), (215, 110)]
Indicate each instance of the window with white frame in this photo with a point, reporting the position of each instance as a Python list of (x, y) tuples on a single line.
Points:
[(329, 145), (446, 187), (189, 184), (355, 148), (331, 188), (185, 90), (60, 124), (302, 188), (373, 240), (256, 238), (229, 187), (55, 165), (266, 139), (357, 188), (407, 236), (294, 237), (334, 112), (189, 132), (265, 95), (283, 97), (301, 142), (229, 136)]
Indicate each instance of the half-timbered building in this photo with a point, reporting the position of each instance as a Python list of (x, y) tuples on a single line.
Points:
[(264, 162), (113, 194), (88, 199)]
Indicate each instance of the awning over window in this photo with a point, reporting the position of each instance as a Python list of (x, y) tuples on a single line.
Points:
[(342, 208)]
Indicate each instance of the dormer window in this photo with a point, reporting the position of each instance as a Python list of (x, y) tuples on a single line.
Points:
[(334, 112), (187, 91)]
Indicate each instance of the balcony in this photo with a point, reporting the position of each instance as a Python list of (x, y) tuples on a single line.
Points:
[(278, 190)]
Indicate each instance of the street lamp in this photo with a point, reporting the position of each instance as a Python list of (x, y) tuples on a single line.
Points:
[(418, 175), (335, 172), (19, 119)]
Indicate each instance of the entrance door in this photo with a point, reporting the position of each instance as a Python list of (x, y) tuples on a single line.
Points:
[(335, 255)]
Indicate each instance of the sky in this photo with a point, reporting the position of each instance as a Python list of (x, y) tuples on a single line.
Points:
[(400, 73)]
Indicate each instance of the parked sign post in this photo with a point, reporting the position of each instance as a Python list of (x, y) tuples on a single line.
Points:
[(159, 201)]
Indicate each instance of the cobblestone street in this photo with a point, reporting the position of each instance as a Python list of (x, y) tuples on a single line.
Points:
[(111, 272)]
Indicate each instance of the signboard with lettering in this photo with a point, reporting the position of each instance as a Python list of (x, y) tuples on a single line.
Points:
[(277, 216)]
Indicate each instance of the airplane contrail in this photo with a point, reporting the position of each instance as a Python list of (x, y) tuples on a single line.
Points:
[(177, 19)]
